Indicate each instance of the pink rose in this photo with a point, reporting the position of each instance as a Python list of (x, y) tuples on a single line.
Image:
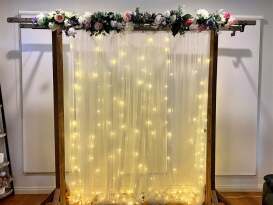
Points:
[(231, 21), (98, 26), (226, 15), (127, 16), (59, 18), (188, 22)]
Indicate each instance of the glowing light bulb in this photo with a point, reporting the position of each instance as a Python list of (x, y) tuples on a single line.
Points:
[(142, 58), (94, 75), (169, 135), (123, 126), (199, 60), (149, 122), (140, 82), (165, 98), (98, 124), (136, 131), (166, 50), (98, 49), (121, 103), (170, 110), (168, 158), (153, 132), (97, 170), (154, 109), (78, 74), (98, 111), (149, 86), (166, 39), (77, 87), (113, 61), (191, 141), (122, 53), (112, 133), (136, 154), (150, 40), (140, 166), (99, 37), (168, 62), (74, 123), (202, 83), (174, 170)]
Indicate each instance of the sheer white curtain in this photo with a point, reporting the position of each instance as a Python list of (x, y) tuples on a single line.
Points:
[(135, 117)]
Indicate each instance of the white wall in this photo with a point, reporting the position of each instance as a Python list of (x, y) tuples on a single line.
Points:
[(10, 72)]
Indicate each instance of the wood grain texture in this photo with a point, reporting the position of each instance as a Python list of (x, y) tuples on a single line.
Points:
[(58, 93), (211, 118)]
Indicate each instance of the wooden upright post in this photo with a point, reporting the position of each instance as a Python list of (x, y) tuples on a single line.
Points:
[(58, 92), (211, 118)]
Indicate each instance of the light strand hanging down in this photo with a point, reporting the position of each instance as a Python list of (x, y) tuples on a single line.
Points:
[(136, 118), (99, 22)]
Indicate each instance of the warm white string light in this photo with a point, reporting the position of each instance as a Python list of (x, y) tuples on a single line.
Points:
[(142, 103)]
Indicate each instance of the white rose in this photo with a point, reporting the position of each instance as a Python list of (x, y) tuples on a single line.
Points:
[(71, 32), (60, 11), (202, 13), (173, 18), (167, 13), (52, 26), (82, 20), (51, 14), (86, 18), (66, 23), (158, 19), (114, 24), (41, 19)]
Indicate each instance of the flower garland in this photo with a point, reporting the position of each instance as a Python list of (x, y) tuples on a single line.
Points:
[(105, 22)]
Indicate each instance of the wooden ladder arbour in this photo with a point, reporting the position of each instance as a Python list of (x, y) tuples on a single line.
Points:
[(58, 196)]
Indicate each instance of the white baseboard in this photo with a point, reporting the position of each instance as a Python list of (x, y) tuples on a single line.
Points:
[(33, 190), (240, 188)]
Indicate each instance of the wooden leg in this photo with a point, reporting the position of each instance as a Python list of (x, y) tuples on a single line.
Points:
[(52, 198)]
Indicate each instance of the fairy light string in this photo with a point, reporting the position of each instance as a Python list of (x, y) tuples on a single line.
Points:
[(137, 119)]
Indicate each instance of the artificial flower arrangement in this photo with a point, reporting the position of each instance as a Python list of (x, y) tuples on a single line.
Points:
[(105, 22)]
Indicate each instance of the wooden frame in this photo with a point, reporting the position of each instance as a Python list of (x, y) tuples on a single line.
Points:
[(58, 196)]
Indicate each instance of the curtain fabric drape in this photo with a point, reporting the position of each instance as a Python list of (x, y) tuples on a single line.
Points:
[(135, 118)]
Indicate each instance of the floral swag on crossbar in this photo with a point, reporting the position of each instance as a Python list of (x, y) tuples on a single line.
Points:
[(104, 22)]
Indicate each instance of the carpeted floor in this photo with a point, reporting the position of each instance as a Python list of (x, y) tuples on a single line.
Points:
[(242, 198)]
